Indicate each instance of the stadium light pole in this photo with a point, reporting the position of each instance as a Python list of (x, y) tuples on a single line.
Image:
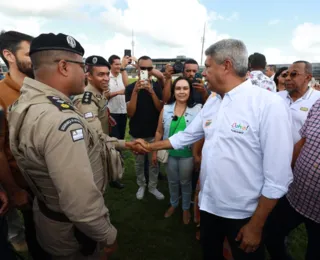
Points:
[(203, 40)]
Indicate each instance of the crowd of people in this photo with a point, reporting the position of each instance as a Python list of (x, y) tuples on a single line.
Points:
[(243, 144)]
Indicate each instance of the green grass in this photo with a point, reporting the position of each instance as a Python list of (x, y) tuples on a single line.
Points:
[(144, 234)]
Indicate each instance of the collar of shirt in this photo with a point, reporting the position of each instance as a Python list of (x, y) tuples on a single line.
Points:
[(236, 90), (43, 88), (115, 77), (10, 83), (306, 95), (93, 89)]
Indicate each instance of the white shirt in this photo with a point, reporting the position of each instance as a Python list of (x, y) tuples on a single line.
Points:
[(262, 81), (247, 151), (300, 109), (272, 77), (117, 104)]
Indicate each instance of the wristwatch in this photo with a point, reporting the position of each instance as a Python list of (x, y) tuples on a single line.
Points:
[(122, 69)]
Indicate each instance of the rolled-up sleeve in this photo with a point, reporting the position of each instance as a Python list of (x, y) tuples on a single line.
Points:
[(190, 135), (277, 147)]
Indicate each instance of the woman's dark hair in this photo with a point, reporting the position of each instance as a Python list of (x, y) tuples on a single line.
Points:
[(279, 71), (190, 101)]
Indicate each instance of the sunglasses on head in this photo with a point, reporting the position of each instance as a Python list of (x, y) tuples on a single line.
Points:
[(292, 74), (146, 68)]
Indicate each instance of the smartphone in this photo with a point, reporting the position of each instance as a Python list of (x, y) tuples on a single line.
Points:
[(128, 53), (197, 78), (144, 76)]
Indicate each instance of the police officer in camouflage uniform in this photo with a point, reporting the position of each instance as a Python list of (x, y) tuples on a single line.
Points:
[(93, 102), (61, 157)]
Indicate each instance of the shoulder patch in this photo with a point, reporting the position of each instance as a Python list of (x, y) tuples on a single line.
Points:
[(70, 121), (87, 97), (60, 103), (88, 115), (77, 134)]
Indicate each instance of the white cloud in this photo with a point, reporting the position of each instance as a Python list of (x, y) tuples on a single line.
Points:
[(214, 16), (274, 22), (276, 56), (51, 8), (306, 38), (168, 36), (28, 25)]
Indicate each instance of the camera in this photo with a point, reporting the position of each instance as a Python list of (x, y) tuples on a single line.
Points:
[(197, 78), (177, 67)]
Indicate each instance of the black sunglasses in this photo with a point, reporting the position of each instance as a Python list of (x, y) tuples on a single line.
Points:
[(146, 68), (292, 74), (82, 64)]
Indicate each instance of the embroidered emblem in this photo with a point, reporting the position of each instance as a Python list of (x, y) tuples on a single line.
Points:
[(77, 134)]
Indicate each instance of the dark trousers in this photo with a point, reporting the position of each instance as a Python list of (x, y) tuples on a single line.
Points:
[(283, 219), (6, 250), (214, 229), (35, 250), (119, 130)]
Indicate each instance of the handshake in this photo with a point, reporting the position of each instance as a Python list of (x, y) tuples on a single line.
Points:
[(139, 146)]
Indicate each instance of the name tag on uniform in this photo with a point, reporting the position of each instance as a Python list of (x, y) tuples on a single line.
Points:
[(77, 134), (305, 109), (88, 115)]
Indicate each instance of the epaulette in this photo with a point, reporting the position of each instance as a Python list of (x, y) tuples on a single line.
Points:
[(87, 97), (60, 103), (13, 106)]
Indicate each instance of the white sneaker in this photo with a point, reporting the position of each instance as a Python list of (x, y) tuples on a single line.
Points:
[(140, 193), (157, 194)]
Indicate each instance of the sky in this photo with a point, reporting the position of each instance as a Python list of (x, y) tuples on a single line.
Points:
[(283, 30)]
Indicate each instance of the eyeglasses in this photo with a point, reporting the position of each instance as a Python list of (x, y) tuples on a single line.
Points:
[(146, 68), (82, 64), (292, 74)]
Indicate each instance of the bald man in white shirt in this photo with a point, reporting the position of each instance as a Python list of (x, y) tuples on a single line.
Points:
[(246, 156)]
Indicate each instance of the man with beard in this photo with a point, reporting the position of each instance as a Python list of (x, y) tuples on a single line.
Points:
[(14, 51), (190, 68)]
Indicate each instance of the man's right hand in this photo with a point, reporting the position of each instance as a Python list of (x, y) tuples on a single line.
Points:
[(168, 71), (111, 249), (4, 203), (20, 199)]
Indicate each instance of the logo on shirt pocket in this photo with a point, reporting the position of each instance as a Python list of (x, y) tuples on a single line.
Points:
[(208, 123), (239, 128)]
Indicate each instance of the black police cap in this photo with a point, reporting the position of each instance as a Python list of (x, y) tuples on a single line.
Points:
[(51, 42), (97, 61)]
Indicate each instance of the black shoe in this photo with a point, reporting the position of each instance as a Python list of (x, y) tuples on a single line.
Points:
[(116, 184)]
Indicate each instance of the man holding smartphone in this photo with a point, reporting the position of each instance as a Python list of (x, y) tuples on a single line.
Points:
[(190, 71), (144, 104)]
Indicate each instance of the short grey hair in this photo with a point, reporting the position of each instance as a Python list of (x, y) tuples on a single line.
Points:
[(232, 49), (308, 66)]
